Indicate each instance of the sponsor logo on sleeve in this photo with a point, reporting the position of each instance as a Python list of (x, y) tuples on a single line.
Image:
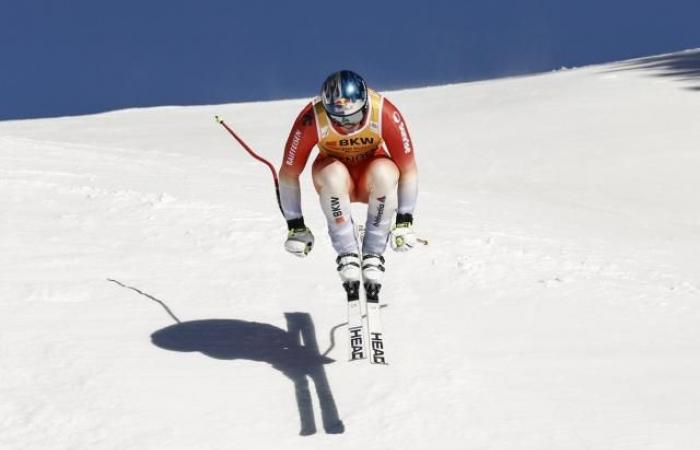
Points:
[(291, 156), (404, 133), (404, 138)]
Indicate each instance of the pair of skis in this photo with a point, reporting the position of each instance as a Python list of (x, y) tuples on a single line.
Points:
[(360, 344)]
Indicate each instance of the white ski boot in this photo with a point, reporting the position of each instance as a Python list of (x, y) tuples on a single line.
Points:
[(349, 267), (372, 269)]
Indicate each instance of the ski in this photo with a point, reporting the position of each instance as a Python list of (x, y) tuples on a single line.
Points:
[(374, 324), (356, 332)]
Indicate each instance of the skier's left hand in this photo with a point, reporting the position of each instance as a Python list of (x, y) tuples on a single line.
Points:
[(402, 236)]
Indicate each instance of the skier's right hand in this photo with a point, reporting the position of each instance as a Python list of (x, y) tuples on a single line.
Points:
[(300, 239)]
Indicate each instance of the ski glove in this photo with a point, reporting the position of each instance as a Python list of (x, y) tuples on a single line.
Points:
[(402, 237), (300, 240)]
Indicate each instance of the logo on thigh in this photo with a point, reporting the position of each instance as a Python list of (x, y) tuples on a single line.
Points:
[(336, 211), (380, 211)]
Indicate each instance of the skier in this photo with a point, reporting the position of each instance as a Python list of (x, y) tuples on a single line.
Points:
[(365, 155)]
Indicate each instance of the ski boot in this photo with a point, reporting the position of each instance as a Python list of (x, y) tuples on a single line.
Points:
[(372, 273), (350, 273)]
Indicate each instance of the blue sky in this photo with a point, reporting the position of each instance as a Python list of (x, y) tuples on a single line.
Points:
[(83, 56)]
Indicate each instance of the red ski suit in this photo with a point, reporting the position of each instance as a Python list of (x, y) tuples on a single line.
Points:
[(395, 143)]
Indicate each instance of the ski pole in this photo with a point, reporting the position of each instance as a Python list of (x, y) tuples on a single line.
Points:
[(256, 156)]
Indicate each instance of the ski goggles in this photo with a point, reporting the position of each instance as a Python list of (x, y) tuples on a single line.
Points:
[(352, 119), (345, 100)]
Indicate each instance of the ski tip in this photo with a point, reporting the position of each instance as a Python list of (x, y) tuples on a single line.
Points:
[(218, 119)]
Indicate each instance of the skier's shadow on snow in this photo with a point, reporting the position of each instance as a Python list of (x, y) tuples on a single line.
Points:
[(294, 352)]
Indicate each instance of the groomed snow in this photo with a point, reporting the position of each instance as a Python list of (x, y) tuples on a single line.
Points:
[(556, 307)]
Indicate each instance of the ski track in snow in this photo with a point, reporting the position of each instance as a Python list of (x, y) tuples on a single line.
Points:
[(555, 308)]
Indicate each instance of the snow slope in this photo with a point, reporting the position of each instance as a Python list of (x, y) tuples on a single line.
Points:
[(557, 306)]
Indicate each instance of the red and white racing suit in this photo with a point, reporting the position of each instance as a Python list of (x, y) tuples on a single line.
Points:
[(360, 178)]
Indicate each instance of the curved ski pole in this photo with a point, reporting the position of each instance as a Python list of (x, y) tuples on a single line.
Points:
[(221, 122)]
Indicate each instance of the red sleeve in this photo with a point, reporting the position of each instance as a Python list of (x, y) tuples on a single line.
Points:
[(397, 139), (398, 143), (302, 139), (300, 142)]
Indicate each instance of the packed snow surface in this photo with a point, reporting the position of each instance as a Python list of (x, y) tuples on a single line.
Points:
[(147, 302)]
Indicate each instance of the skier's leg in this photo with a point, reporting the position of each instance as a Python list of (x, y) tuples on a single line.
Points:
[(334, 184), (379, 182), (379, 186)]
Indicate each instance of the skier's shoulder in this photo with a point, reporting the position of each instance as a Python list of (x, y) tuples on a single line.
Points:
[(388, 107), (306, 116), (391, 116), (308, 108)]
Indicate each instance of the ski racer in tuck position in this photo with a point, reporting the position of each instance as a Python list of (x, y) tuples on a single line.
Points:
[(365, 155)]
